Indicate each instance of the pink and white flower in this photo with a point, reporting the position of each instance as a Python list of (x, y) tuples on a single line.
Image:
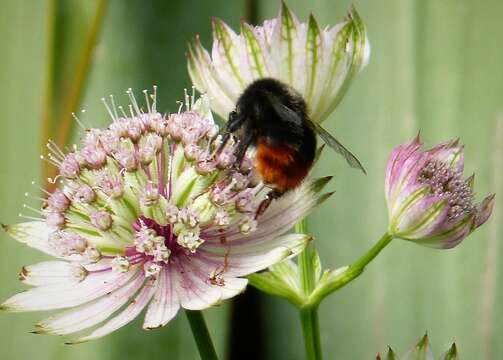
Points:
[(157, 223), (318, 63), (429, 201)]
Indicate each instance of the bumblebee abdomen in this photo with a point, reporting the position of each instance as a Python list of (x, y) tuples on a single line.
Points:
[(281, 166)]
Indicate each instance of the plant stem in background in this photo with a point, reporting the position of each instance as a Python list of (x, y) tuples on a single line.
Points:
[(65, 121), (308, 314), (47, 106), (201, 335)]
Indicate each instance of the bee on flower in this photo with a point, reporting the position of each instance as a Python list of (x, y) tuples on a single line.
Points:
[(147, 217)]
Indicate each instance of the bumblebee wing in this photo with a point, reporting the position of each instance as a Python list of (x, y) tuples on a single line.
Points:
[(284, 112), (338, 147)]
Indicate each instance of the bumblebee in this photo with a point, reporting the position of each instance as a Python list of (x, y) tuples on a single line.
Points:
[(272, 117)]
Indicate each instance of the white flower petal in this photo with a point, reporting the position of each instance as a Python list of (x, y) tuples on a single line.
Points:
[(221, 102), (225, 58), (67, 295), (92, 313), (244, 260), (314, 49), (35, 234), (52, 272), (255, 57), (165, 303), (228, 286), (193, 288), (127, 315), (318, 63)]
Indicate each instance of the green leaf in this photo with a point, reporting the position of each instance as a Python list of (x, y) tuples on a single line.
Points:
[(271, 283)]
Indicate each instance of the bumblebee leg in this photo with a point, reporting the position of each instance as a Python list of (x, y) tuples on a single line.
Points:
[(243, 145), (271, 195), (234, 122)]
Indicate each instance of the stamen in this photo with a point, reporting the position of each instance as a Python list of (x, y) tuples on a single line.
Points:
[(37, 211), (154, 99), (108, 109), (133, 101), (52, 146), (145, 92), (187, 101), (114, 108), (121, 109), (30, 217), (79, 122)]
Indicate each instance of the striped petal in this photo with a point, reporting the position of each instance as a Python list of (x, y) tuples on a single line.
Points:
[(126, 316), (52, 272), (59, 296), (35, 234), (91, 314), (165, 303), (319, 64), (246, 259)]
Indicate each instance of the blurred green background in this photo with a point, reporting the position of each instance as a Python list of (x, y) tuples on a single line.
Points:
[(436, 66)]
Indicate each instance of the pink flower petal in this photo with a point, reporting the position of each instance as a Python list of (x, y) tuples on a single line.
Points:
[(193, 288), (127, 315), (92, 313), (165, 303)]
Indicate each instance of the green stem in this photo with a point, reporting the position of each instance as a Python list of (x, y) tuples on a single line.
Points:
[(308, 314), (306, 270), (201, 335), (311, 332), (353, 271)]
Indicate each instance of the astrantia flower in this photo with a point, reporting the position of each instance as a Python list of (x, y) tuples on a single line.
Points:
[(318, 63), (147, 217), (429, 201)]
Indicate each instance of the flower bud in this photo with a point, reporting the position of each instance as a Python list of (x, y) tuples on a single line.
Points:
[(429, 201), (101, 220)]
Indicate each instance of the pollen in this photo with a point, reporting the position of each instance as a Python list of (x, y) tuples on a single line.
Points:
[(448, 183)]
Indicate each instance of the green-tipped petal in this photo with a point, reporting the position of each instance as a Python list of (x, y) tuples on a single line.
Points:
[(451, 354), (422, 350)]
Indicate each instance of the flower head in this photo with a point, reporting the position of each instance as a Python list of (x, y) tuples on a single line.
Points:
[(157, 222), (318, 63), (429, 201)]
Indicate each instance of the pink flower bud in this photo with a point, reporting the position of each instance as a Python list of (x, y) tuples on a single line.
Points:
[(429, 201)]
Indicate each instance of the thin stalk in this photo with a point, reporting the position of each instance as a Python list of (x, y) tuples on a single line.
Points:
[(201, 335), (306, 270), (311, 332), (353, 271), (308, 315)]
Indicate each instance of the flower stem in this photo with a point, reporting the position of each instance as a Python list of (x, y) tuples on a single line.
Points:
[(353, 271), (201, 335), (311, 332), (308, 314), (306, 271)]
